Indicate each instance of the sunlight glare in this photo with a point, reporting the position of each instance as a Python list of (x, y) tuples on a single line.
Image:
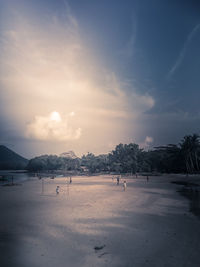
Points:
[(55, 116)]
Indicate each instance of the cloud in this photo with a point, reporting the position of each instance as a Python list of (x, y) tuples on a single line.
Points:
[(72, 114), (52, 128), (129, 47), (183, 51), (147, 142), (47, 66)]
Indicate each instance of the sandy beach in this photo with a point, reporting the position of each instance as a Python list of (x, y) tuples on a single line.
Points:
[(93, 222)]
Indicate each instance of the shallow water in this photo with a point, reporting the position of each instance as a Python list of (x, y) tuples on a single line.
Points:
[(194, 196), (9, 176)]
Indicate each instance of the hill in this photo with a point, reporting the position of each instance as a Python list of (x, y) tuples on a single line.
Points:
[(9, 160)]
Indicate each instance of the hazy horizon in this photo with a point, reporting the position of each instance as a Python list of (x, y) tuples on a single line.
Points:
[(88, 75)]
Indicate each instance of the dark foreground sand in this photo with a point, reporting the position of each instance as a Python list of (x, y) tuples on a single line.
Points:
[(148, 225)]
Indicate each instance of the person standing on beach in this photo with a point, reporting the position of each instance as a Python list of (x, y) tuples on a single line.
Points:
[(117, 180), (57, 189), (124, 185), (70, 180), (147, 178)]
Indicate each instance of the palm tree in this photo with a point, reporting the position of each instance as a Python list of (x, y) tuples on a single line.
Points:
[(190, 147), (195, 148)]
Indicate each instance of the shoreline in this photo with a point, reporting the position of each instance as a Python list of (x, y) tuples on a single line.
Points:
[(147, 225)]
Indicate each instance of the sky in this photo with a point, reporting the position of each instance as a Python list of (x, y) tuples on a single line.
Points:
[(86, 75)]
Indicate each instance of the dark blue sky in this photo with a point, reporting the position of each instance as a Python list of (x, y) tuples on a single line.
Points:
[(154, 34), (152, 47)]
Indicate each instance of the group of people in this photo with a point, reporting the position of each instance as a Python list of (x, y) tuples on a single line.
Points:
[(124, 183), (70, 181), (118, 181)]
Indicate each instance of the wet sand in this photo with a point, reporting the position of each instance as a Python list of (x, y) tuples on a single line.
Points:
[(93, 222)]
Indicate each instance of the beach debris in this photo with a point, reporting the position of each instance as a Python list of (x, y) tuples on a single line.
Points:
[(97, 248), (105, 253)]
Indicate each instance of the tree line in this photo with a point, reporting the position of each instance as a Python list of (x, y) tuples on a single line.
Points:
[(130, 158)]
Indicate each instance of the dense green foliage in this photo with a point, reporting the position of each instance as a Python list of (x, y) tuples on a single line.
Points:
[(124, 158), (129, 158), (94, 163), (52, 162)]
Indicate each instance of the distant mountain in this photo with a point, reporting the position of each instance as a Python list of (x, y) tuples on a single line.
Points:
[(9, 160), (70, 154)]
